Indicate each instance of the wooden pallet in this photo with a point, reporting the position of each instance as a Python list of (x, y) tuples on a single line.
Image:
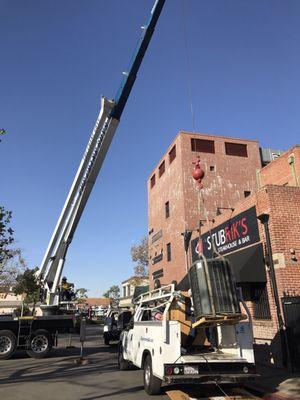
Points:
[(233, 394), (219, 320)]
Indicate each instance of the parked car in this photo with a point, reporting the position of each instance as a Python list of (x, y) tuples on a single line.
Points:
[(115, 323)]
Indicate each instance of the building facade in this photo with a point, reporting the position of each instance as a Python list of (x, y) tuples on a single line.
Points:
[(239, 235), (9, 301), (130, 287), (230, 167)]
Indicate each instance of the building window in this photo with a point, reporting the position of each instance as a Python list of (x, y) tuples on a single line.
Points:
[(157, 274), (247, 193), (261, 307), (203, 145), (157, 236), (236, 149), (169, 253), (212, 168), (172, 154), (152, 181), (167, 209), (161, 169), (124, 291)]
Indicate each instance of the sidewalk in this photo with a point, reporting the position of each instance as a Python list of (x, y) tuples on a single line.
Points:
[(276, 384)]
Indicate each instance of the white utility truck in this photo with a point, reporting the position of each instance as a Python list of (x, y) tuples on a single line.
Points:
[(169, 345)]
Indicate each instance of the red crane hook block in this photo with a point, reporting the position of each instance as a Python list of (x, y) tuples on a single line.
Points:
[(198, 173)]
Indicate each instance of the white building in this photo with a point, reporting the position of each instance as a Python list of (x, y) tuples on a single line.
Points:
[(9, 301), (129, 287)]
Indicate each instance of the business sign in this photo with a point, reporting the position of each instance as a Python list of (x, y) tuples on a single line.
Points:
[(157, 259), (236, 233), (157, 236)]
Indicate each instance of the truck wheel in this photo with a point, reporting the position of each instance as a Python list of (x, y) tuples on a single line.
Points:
[(40, 344), (124, 365), (152, 384), (8, 344)]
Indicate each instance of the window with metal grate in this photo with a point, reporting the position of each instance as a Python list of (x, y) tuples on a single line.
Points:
[(161, 169), (236, 149), (169, 252), (261, 307), (203, 145), (167, 209), (152, 181), (172, 154)]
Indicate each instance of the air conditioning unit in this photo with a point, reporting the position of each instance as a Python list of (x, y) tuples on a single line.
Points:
[(213, 288)]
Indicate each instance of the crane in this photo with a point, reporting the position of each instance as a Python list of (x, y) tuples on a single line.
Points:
[(105, 127)]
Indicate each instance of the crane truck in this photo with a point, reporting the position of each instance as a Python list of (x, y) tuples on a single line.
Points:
[(37, 334)]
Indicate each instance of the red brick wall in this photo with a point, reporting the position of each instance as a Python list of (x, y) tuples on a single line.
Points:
[(280, 171), (223, 188), (282, 203), (168, 187)]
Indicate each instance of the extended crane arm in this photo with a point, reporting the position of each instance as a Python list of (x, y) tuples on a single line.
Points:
[(94, 155)]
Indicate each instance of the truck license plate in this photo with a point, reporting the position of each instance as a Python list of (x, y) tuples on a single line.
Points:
[(190, 370)]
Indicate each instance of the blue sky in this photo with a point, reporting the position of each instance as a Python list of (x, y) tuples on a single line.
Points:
[(59, 57)]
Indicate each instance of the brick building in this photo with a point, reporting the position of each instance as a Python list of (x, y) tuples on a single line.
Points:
[(239, 235), (279, 197), (230, 166)]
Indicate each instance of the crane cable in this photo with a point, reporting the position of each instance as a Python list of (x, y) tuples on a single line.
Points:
[(188, 64)]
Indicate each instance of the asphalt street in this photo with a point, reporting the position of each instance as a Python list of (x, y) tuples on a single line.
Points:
[(58, 377)]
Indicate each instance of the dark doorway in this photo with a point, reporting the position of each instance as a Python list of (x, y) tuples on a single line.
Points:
[(291, 311)]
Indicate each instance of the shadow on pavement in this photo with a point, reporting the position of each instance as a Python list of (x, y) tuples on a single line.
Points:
[(116, 393), (46, 372)]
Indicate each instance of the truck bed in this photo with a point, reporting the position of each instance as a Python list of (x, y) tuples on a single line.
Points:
[(217, 356)]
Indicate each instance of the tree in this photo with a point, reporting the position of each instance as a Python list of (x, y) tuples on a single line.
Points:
[(2, 132), (81, 294), (11, 266), (139, 255), (6, 235), (113, 292), (27, 284)]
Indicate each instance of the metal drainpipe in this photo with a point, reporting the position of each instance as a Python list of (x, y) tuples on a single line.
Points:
[(291, 161), (264, 219)]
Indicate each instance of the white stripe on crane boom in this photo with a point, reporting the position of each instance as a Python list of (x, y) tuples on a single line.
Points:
[(82, 185)]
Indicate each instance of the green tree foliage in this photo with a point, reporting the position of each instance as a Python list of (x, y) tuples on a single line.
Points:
[(6, 235), (81, 294), (11, 266), (2, 132), (27, 284), (139, 255), (113, 292)]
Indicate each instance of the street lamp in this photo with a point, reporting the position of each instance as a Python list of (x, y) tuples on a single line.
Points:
[(223, 208), (264, 219)]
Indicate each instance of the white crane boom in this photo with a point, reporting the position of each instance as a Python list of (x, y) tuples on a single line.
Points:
[(94, 155)]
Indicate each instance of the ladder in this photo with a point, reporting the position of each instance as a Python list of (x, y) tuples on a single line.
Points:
[(163, 293), (24, 331)]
